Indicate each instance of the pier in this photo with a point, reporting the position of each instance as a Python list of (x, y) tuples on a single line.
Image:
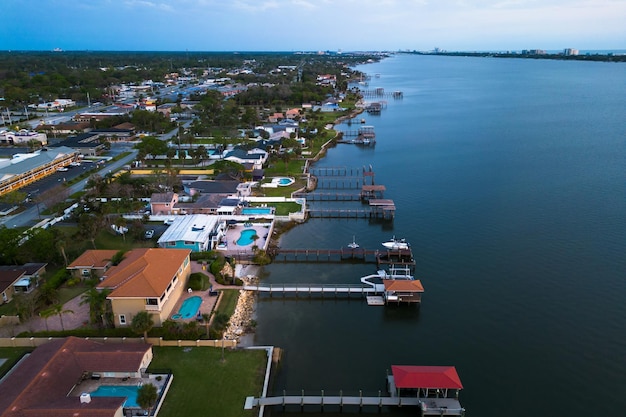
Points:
[(430, 401), (388, 257)]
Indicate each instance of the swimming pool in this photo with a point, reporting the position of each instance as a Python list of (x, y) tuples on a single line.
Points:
[(257, 210), (189, 308), (128, 391), (246, 237)]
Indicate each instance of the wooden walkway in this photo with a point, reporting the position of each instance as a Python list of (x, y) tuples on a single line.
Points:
[(402, 257), (312, 289), (428, 406)]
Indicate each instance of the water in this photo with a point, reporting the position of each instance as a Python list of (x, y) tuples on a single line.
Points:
[(246, 237), (127, 391), (189, 307), (508, 178)]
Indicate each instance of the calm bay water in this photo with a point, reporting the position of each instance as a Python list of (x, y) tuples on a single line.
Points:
[(508, 177)]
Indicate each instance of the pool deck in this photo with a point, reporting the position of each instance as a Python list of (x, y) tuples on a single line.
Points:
[(208, 301), (233, 233)]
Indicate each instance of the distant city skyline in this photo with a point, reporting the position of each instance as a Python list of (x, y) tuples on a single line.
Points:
[(308, 25)]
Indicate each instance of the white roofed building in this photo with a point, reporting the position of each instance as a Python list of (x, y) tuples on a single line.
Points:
[(198, 232)]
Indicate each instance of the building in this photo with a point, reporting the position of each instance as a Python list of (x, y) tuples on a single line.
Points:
[(44, 383), (147, 279), (163, 203), (92, 263), (24, 169), (19, 279), (22, 137), (87, 144), (197, 232)]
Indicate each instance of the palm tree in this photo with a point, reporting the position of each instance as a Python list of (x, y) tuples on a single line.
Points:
[(58, 309), (97, 304), (46, 314), (205, 319), (120, 223), (60, 244), (142, 323), (147, 396)]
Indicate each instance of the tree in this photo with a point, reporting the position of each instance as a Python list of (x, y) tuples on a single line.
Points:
[(60, 244), (142, 323), (147, 396), (46, 314), (206, 319), (97, 301), (59, 310), (120, 224)]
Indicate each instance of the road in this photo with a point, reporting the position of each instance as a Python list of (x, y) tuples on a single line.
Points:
[(30, 216)]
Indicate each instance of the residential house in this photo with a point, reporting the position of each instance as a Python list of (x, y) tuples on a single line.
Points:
[(197, 232), (255, 157), (147, 279), (211, 187), (19, 279), (292, 113), (163, 203), (92, 263), (47, 382)]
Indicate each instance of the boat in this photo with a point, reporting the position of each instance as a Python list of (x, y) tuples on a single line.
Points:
[(396, 244), (353, 244)]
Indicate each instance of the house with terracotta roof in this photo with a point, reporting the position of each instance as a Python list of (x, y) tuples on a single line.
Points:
[(52, 380), (403, 291), (147, 279), (92, 263)]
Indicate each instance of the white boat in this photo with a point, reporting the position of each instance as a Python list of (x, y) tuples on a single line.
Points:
[(396, 244), (353, 244)]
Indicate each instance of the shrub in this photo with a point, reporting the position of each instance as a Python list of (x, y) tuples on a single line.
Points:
[(198, 281)]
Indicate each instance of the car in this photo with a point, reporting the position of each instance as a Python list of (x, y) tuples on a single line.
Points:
[(169, 221), (149, 234), (62, 169)]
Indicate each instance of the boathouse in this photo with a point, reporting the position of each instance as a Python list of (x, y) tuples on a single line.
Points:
[(436, 387), (403, 291)]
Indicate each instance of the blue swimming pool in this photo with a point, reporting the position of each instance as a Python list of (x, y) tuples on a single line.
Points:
[(128, 391), (246, 237), (257, 210), (189, 308)]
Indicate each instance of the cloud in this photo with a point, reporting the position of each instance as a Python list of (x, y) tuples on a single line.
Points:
[(255, 6)]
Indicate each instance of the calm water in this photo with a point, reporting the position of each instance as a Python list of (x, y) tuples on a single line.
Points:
[(508, 177)]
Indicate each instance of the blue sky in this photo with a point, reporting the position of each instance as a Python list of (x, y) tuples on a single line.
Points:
[(312, 25)]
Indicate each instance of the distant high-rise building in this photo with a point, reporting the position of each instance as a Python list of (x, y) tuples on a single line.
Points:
[(570, 52)]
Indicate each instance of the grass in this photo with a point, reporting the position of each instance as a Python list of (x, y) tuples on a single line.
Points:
[(205, 385), (228, 303), (12, 355)]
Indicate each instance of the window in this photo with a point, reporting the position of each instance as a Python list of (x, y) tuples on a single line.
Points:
[(85, 272), (152, 301), (123, 319), (186, 261)]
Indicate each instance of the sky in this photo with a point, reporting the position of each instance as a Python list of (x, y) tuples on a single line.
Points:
[(312, 25)]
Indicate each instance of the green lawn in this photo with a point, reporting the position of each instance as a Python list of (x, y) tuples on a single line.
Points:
[(204, 385), (228, 303)]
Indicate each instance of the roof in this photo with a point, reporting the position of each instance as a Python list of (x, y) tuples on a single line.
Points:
[(9, 277), (144, 272), (42, 380), (40, 158), (215, 187), (29, 268), (442, 377), (94, 258), (403, 285), (83, 140), (191, 228), (162, 197)]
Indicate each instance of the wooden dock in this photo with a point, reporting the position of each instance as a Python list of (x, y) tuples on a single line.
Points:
[(392, 257), (310, 289)]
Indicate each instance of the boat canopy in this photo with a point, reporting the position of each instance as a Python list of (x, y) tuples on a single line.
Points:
[(428, 377)]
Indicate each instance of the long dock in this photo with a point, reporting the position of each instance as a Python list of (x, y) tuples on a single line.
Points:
[(313, 289), (429, 406), (395, 257)]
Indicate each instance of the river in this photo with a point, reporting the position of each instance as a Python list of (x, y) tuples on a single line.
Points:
[(508, 178)]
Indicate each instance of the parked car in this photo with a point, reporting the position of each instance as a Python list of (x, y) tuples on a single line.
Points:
[(149, 234)]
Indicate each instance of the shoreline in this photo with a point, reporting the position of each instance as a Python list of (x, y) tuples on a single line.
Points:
[(241, 323)]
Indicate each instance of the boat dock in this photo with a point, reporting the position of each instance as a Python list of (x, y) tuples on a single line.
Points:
[(392, 257), (434, 403)]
